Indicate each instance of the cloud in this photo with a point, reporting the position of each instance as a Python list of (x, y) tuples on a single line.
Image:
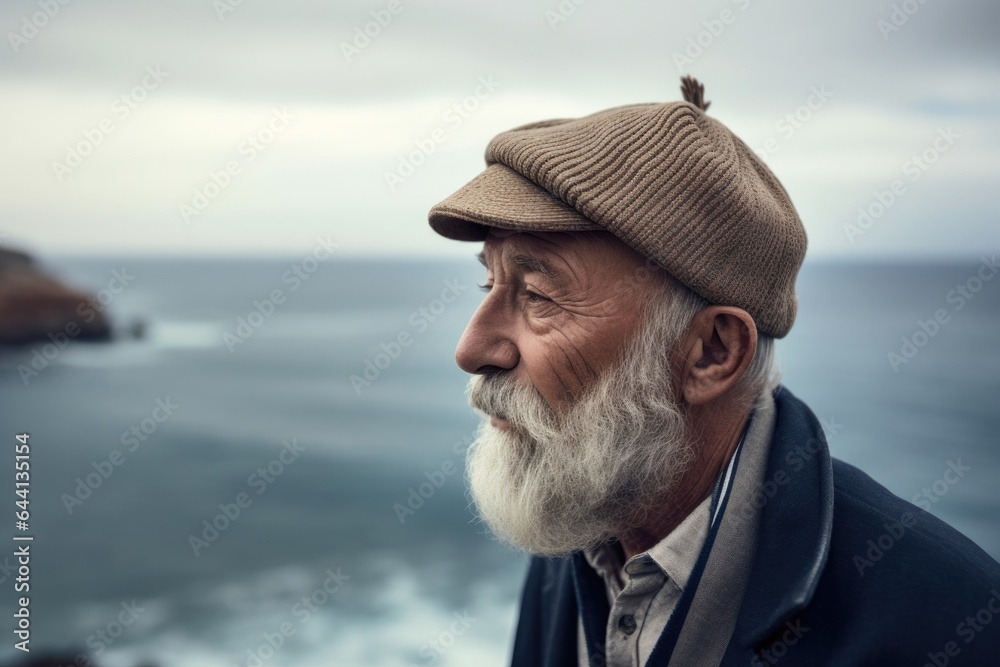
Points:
[(357, 116)]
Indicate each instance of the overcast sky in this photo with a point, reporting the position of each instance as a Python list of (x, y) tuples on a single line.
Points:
[(116, 114)]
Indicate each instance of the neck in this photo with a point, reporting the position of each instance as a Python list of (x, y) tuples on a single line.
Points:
[(716, 433)]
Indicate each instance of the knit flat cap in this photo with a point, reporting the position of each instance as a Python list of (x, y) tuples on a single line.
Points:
[(667, 179)]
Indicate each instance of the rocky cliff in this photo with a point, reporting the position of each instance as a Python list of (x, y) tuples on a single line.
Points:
[(36, 307)]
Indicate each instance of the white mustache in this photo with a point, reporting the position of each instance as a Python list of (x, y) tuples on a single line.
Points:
[(500, 395)]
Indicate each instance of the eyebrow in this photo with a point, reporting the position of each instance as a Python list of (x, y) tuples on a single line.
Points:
[(529, 262)]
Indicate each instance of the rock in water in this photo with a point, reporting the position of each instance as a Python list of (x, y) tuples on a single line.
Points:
[(36, 307)]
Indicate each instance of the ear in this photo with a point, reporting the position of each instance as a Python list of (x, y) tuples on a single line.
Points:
[(718, 347)]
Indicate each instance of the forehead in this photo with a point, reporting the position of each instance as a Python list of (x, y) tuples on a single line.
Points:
[(557, 251)]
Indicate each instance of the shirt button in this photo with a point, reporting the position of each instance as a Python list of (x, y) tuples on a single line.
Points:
[(627, 624)]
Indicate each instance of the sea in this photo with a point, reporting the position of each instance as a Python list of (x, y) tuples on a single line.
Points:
[(266, 466)]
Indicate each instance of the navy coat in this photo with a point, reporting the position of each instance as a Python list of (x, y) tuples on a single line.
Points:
[(845, 573)]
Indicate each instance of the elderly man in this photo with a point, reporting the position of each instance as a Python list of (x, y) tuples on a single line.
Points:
[(682, 507)]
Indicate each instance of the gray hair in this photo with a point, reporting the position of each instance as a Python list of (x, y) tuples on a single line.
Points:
[(762, 375)]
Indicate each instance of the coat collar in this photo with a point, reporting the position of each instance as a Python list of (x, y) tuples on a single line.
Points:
[(796, 523)]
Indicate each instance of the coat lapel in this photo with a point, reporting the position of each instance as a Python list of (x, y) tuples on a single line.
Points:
[(796, 522)]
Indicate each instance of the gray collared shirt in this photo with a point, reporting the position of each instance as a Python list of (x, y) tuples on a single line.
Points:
[(643, 593)]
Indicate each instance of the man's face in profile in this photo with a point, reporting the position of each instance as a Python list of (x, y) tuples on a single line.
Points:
[(571, 357)]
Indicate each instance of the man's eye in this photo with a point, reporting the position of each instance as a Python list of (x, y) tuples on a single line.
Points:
[(534, 297)]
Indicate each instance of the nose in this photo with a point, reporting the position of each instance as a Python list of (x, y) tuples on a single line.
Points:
[(486, 345)]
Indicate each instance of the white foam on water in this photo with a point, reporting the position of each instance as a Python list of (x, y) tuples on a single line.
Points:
[(158, 337), (401, 625), (184, 334)]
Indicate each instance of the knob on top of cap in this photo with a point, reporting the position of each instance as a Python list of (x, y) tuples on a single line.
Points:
[(694, 92)]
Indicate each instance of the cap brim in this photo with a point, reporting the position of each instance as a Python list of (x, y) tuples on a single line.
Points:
[(501, 197)]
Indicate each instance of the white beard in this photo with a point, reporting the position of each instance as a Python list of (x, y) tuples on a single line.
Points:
[(552, 485)]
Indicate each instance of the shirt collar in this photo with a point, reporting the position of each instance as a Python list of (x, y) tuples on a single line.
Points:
[(677, 553)]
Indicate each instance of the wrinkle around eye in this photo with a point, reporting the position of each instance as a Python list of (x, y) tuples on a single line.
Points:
[(529, 300), (541, 307)]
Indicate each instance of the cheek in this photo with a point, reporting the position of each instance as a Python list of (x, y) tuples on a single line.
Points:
[(538, 371), (558, 366), (561, 358)]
